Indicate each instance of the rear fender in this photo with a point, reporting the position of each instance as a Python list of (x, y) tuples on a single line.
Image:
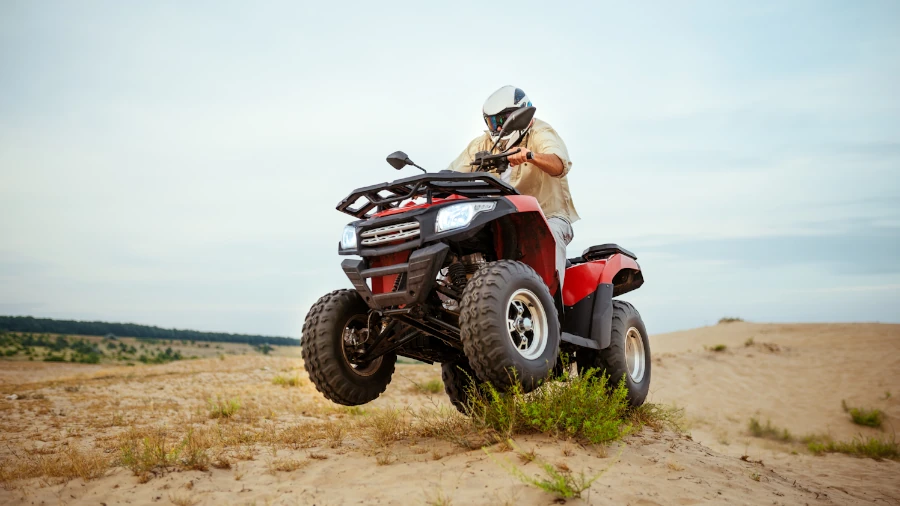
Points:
[(588, 293), (620, 271)]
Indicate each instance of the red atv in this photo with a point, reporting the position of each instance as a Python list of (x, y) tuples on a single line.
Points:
[(467, 278)]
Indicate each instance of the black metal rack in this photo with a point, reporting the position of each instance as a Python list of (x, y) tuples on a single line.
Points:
[(384, 196)]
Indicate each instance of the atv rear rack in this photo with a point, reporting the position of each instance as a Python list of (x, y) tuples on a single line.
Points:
[(384, 196)]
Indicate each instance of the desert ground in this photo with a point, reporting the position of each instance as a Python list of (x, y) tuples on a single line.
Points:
[(251, 429)]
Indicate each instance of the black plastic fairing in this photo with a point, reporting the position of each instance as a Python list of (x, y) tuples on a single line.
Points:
[(421, 271), (591, 317)]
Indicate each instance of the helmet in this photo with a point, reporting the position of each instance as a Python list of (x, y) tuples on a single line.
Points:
[(499, 106)]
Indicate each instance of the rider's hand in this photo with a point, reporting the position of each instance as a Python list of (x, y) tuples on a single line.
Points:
[(518, 158)]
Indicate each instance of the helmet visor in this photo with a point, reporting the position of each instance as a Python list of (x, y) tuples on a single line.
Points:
[(495, 121)]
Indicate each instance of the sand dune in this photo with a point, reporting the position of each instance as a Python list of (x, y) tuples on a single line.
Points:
[(796, 376)]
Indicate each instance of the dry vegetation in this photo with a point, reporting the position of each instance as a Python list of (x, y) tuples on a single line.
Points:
[(873, 447), (199, 418), (245, 422)]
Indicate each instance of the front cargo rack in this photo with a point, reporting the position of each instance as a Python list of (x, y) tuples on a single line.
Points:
[(382, 197)]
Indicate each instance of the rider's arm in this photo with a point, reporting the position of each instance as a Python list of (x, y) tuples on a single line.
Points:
[(549, 151), (549, 163)]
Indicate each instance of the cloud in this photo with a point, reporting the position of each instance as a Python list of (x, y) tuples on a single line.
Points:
[(180, 167)]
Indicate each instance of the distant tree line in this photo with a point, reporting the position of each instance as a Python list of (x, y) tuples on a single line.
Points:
[(49, 326)]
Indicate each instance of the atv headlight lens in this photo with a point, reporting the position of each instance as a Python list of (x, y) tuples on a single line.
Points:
[(348, 238), (460, 215)]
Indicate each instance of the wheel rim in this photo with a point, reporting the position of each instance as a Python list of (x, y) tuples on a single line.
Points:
[(634, 355), (526, 322), (351, 331)]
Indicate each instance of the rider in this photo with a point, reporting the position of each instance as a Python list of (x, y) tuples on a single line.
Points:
[(539, 169)]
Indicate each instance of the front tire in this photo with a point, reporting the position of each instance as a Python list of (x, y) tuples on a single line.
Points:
[(323, 351), (628, 354), (509, 325)]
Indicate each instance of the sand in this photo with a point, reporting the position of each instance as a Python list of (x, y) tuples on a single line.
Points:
[(796, 376)]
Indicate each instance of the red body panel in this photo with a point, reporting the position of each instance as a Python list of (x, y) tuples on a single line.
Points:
[(385, 284), (583, 279), (535, 241)]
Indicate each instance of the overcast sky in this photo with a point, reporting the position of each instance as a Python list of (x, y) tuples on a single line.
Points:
[(178, 163)]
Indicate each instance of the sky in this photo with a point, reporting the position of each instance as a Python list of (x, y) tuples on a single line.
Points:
[(178, 163)]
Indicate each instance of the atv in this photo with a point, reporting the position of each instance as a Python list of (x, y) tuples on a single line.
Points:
[(459, 268)]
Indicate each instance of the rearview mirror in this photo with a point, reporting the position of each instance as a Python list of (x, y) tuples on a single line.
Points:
[(518, 119), (398, 160)]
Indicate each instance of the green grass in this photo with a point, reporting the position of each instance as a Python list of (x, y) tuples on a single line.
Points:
[(872, 447), (287, 381), (557, 480), (584, 407), (222, 408), (768, 431), (719, 348), (866, 417), (434, 386)]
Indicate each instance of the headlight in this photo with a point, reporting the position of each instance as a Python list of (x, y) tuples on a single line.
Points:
[(460, 215), (348, 238)]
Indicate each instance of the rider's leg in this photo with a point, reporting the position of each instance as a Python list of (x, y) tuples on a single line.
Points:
[(563, 234)]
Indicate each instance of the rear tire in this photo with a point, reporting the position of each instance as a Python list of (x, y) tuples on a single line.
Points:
[(323, 352), (506, 302), (628, 354), (458, 377)]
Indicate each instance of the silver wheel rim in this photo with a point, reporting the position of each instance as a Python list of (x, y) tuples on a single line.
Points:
[(634, 355), (526, 322), (366, 369)]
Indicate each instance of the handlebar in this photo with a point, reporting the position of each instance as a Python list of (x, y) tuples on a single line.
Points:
[(484, 161)]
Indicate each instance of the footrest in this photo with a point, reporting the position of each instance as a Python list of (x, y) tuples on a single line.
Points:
[(579, 341)]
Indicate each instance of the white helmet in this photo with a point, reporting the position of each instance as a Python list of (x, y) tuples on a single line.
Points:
[(498, 107)]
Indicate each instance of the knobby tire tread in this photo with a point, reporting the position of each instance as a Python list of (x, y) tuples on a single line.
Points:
[(322, 360), (479, 321)]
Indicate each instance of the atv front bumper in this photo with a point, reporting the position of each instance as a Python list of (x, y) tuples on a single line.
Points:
[(421, 271)]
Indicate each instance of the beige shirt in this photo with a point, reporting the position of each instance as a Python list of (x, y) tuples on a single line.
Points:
[(551, 192)]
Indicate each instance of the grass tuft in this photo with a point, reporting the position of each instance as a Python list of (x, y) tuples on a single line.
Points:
[(558, 480), (730, 319), (223, 409), (873, 448), (434, 386), (768, 431), (286, 465), (148, 451), (866, 417), (287, 381), (583, 406), (719, 348)]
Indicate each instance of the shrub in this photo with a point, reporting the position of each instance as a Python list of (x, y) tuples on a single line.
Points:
[(867, 417), (730, 319), (583, 406)]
